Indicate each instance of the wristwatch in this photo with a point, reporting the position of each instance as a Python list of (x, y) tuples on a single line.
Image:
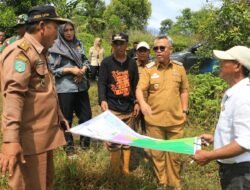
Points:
[(186, 112)]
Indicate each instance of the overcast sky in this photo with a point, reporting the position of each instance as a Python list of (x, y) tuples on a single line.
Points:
[(163, 9)]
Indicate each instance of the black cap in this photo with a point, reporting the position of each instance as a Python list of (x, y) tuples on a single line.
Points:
[(120, 37), (44, 12)]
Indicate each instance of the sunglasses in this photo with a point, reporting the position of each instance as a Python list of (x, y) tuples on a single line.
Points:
[(161, 48)]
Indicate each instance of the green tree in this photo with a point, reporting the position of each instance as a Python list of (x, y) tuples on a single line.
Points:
[(182, 31), (217, 28), (184, 23), (91, 14), (132, 13), (232, 24), (65, 8), (21, 7), (226, 27), (166, 25), (115, 23), (7, 20), (9, 9)]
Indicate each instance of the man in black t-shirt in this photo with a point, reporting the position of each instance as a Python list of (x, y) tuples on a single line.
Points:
[(117, 82), (132, 51)]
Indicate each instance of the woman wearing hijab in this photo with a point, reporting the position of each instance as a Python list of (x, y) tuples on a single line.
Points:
[(96, 54), (69, 65)]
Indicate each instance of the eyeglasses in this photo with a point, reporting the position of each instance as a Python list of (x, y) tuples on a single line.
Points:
[(161, 48)]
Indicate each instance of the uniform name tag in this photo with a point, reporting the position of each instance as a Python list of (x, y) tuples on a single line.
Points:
[(155, 76)]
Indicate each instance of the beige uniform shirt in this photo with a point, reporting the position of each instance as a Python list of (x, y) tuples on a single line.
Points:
[(164, 85), (30, 107), (140, 68), (95, 56)]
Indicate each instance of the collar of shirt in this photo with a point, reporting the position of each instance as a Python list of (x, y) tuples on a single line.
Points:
[(163, 66), (235, 88), (118, 62), (39, 48)]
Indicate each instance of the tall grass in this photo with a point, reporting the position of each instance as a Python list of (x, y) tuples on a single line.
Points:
[(90, 170)]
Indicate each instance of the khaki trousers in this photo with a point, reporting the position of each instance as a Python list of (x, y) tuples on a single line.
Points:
[(36, 174), (166, 165)]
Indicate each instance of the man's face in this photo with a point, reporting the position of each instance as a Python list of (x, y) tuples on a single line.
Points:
[(21, 29), (69, 32), (49, 33), (227, 69), (163, 50), (119, 48), (2, 37), (142, 54)]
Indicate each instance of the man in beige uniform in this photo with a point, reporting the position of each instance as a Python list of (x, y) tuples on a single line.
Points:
[(165, 109), (31, 116), (142, 59)]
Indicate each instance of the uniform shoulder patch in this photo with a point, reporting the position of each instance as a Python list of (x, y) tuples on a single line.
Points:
[(20, 66), (24, 45), (20, 63), (177, 62), (149, 65)]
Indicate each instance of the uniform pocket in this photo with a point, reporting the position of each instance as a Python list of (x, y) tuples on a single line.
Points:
[(155, 84), (41, 69), (176, 80), (41, 78)]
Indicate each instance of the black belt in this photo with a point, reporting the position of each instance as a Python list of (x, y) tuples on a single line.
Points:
[(233, 165)]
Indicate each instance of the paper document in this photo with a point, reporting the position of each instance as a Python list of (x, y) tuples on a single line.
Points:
[(108, 127)]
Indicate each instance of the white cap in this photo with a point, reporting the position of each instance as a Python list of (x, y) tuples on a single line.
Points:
[(236, 53), (143, 44)]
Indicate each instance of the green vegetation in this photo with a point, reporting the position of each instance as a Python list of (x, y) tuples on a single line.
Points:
[(216, 28), (205, 95), (131, 14)]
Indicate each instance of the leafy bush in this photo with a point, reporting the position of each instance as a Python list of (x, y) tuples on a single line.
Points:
[(138, 35), (87, 40), (205, 96)]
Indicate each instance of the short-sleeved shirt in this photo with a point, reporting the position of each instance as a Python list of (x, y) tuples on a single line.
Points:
[(164, 85), (31, 114), (234, 121), (140, 68)]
